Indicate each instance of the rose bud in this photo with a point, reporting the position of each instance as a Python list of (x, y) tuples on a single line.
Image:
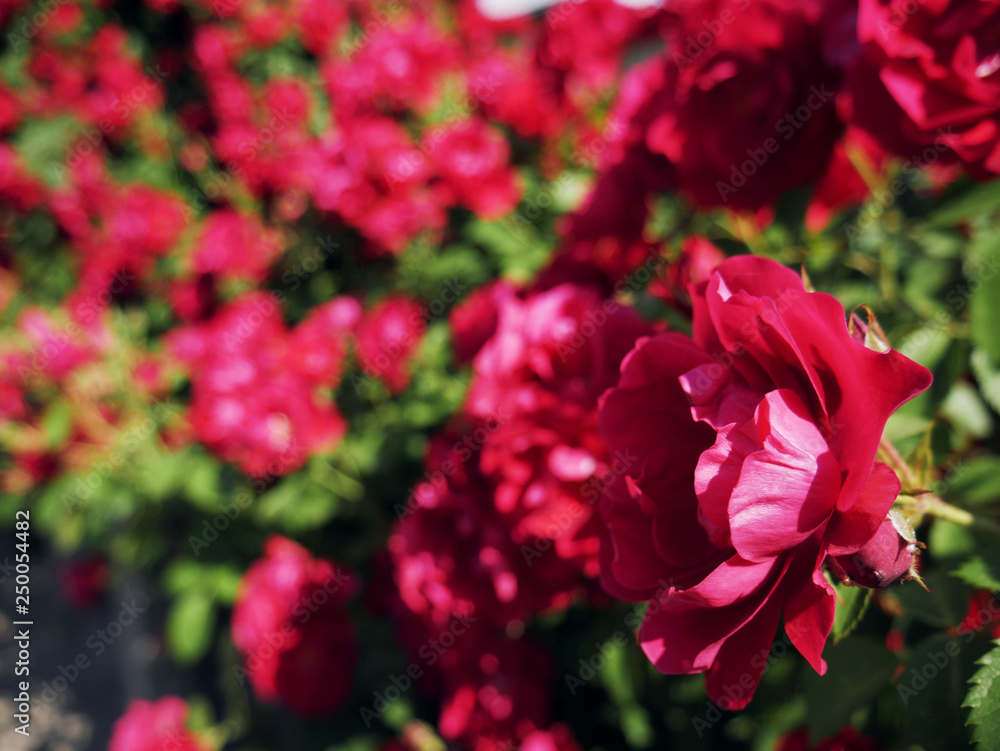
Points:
[(884, 558)]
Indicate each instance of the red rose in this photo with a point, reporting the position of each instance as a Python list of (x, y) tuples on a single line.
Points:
[(982, 615), (387, 338), (927, 83), (538, 379), (235, 246), (257, 398), (742, 106), (319, 24), (475, 319), (695, 263), (556, 738), (497, 694), (568, 340), (473, 161), (373, 175), (290, 624), (155, 726), (84, 581), (841, 185), (755, 447), (454, 554)]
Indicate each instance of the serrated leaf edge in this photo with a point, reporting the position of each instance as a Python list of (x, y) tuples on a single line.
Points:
[(989, 664)]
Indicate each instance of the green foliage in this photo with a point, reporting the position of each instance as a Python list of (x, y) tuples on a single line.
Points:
[(198, 590), (932, 688), (941, 605), (981, 570), (852, 602), (984, 308), (984, 700), (858, 669)]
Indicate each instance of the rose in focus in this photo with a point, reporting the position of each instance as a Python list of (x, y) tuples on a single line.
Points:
[(756, 442)]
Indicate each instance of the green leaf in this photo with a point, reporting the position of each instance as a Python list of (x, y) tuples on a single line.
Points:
[(42, 145), (980, 199), (295, 504), (56, 423), (932, 688), (949, 540), (942, 607), (636, 726), (852, 602), (981, 571), (988, 376), (201, 482), (859, 669), (974, 482), (191, 625), (984, 309), (160, 475), (965, 409), (183, 575), (616, 675), (515, 243), (984, 700), (927, 345)]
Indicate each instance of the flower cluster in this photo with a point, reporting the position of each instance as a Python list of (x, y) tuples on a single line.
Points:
[(505, 524), (753, 98), (257, 387)]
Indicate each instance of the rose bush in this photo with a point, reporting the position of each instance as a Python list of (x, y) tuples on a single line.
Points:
[(288, 289)]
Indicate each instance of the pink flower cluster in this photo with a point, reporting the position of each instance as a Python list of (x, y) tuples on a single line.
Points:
[(504, 525), (258, 388)]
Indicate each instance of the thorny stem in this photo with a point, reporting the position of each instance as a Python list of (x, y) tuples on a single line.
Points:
[(926, 502)]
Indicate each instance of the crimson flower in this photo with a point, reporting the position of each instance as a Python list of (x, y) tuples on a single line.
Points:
[(756, 446)]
